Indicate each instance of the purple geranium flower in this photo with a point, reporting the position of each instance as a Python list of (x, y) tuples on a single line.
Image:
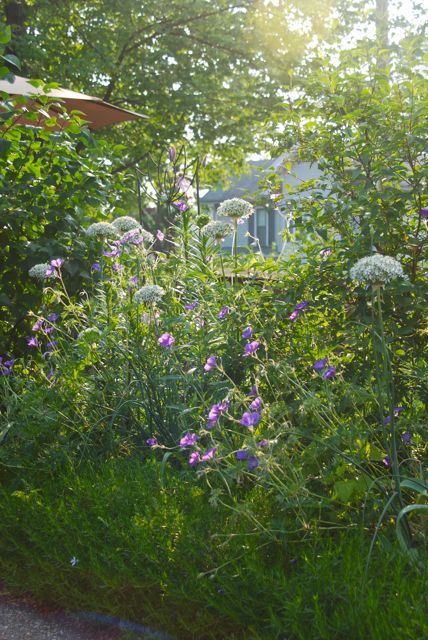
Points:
[(213, 417), (53, 317), (293, 315), (113, 253), (250, 419), (325, 252), (210, 364), (160, 235), (57, 263), (188, 440), (262, 443), (320, 364), (96, 267), (4, 371), (407, 437), (49, 272), (251, 348), (386, 461), (247, 333), (137, 241), (424, 213), (152, 442), (215, 413), (37, 326), (209, 454), (191, 306), (51, 345), (256, 404), (49, 330), (181, 206), (133, 280), (166, 340), (397, 411), (32, 342), (194, 458), (242, 454), (117, 267), (253, 391), (252, 462), (301, 305), (6, 367), (330, 372), (223, 312)]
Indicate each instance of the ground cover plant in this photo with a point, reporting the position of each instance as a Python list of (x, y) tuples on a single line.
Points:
[(231, 427)]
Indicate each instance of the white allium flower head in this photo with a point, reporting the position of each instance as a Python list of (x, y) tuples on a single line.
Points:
[(39, 271), (235, 208), (101, 230), (376, 269), (217, 230), (125, 223), (149, 294)]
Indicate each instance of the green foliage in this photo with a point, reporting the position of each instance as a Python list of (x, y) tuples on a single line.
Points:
[(184, 63), (366, 127), (52, 178), (159, 552), (274, 540)]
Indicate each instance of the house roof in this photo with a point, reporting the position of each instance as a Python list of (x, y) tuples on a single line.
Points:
[(246, 185)]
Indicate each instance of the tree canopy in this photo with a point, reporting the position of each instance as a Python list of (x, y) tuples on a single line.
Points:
[(208, 71)]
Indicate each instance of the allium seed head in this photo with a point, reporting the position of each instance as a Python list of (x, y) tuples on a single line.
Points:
[(376, 269), (235, 208), (149, 294), (39, 271), (216, 230), (125, 223), (101, 230)]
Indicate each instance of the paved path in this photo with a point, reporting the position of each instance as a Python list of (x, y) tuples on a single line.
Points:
[(20, 619)]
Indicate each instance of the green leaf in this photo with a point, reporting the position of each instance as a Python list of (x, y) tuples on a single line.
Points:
[(5, 34), (415, 485), (5, 145), (13, 60)]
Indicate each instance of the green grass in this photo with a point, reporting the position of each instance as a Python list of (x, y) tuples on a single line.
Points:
[(143, 541)]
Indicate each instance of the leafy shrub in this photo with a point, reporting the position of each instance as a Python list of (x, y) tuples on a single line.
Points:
[(53, 177)]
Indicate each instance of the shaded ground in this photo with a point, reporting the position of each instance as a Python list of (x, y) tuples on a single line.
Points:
[(21, 619)]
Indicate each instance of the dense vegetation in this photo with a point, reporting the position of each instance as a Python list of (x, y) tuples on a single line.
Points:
[(215, 445)]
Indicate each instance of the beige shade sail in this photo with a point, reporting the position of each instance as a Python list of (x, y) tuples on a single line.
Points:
[(97, 112)]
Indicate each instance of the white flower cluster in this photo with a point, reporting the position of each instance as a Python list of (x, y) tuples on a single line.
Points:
[(217, 230), (125, 223), (376, 269), (149, 294), (101, 230), (39, 271), (235, 208)]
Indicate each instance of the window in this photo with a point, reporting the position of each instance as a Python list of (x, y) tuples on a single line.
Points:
[(261, 227)]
